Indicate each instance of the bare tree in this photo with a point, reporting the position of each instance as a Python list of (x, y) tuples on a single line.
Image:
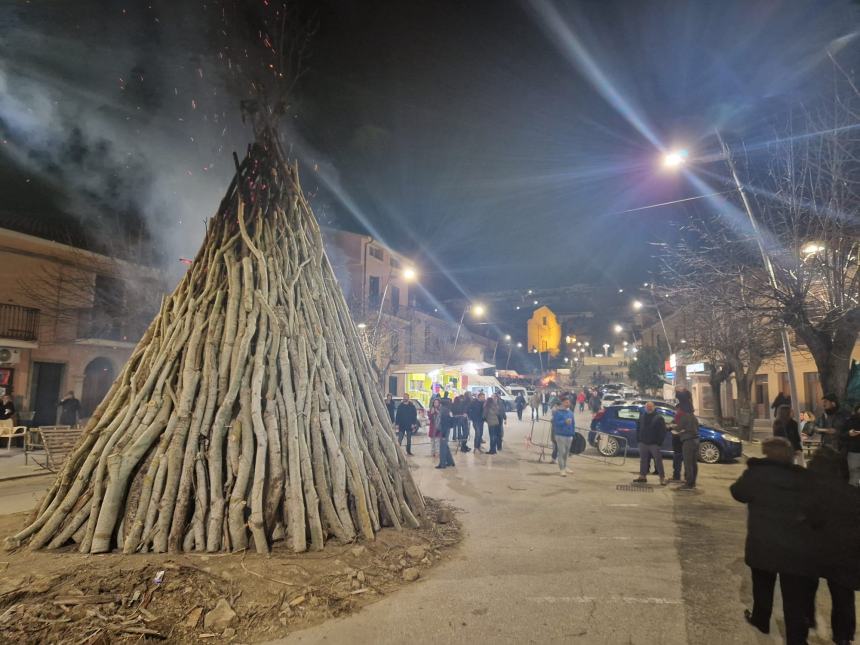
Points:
[(805, 195)]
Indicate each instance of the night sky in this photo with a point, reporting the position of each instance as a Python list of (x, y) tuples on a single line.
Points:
[(497, 142)]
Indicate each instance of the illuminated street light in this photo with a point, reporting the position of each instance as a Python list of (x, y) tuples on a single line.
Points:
[(518, 307), (535, 302), (361, 325), (409, 274), (606, 349), (812, 248), (565, 359), (625, 343), (586, 343), (530, 292), (507, 336), (477, 310), (618, 329), (621, 291), (638, 304), (674, 159), (519, 345)]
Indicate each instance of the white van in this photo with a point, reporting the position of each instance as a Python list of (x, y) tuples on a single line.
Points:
[(490, 385)]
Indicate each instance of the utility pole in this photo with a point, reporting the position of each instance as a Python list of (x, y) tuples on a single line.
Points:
[(768, 265)]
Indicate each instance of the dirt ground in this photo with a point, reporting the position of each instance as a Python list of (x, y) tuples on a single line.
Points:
[(64, 597)]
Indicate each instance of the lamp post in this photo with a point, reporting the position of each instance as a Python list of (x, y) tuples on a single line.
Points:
[(477, 312), (408, 274), (677, 159)]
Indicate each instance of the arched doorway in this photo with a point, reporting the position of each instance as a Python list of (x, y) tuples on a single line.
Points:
[(98, 377)]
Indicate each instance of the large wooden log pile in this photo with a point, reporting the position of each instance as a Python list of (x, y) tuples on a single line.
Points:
[(248, 412)]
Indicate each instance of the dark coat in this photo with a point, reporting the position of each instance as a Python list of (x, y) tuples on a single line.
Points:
[(476, 411), (788, 430), (391, 406), (781, 516), (7, 410), (837, 546), (652, 428), (446, 421), (407, 416)]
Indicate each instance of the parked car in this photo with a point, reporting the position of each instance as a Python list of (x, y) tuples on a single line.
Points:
[(611, 399), (423, 421), (618, 422)]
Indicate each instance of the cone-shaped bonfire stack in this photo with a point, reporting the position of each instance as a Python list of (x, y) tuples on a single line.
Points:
[(247, 411)]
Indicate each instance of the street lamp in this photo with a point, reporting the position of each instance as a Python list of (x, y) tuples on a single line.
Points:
[(618, 329), (477, 311), (408, 274), (507, 337), (606, 349), (637, 305), (676, 159)]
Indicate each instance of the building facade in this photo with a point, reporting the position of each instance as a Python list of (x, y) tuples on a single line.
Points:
[(544, 332), (69, 319), (395, 329)]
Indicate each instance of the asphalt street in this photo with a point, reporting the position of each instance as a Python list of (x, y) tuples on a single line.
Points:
[(547, 559), (560, 560)]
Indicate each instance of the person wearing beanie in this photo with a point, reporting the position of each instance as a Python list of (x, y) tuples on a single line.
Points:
[(831, 423)]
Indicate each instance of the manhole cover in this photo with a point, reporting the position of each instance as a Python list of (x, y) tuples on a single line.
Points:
[(632, 488)]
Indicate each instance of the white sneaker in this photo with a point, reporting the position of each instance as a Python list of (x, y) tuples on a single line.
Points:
[(562, 473), (568, 470)]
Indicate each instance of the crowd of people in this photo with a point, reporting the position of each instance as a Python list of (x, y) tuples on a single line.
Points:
[(450, 419)]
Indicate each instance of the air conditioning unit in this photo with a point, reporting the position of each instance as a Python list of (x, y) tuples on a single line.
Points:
[(9, 356)]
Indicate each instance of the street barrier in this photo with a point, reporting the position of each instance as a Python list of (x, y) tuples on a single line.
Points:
[(540, 438)]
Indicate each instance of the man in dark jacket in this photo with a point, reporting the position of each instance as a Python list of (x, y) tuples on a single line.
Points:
[(71, 410), (446, 427), (390, 405), (831, 422), (406, 420), (837, 551), (476, 414), (687, 430), (651, 432), (781, 517)]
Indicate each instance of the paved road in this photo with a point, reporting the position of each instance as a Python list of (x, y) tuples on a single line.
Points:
[(572, 560), (547, 559)]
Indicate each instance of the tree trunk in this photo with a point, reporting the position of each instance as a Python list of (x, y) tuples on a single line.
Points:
[(832, 356)]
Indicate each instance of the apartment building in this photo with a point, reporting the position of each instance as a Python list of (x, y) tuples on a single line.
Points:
[(69, 317)]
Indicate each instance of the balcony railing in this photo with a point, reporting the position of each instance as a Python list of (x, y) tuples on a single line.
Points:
[(19, 323)]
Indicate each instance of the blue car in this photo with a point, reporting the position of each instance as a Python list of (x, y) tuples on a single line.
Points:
[(619, 421)]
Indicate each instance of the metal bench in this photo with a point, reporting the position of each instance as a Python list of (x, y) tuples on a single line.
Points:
[(58, 442), (9, 431)]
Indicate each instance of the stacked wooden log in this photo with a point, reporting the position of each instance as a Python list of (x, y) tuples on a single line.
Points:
[(248, 412)]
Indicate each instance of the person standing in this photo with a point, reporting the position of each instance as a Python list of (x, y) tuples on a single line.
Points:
[(534, 403), (406, 419), (831, 422), (493, 417), (521, 404), (544, 401), (463, 420), (7, 408), (781, 514), (687, 429), (503, 416), (446, 426), (476, 414), (595, 402), (580, 400), (651, 432), (563, 428), (780, 400), (390, 405), (71, 409), (786, 427), (685, 399), (852, 443), (839, 540), (433, 433)]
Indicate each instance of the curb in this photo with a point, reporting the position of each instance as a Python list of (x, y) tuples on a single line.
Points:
[(28, 476)]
